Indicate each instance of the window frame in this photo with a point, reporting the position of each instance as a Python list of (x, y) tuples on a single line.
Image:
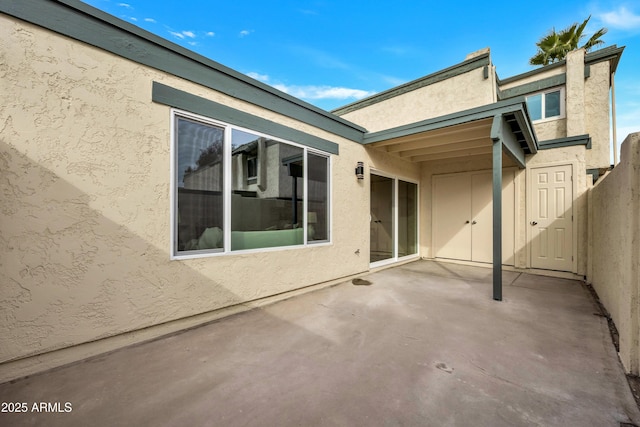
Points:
[(228, 190), (563, 104)]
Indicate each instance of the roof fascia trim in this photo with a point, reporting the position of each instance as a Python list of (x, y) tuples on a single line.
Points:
[(517, 77), (447, 73), (89, 25), (611, 53), (532, 87), (608, 53), (176, 98), (566, 142), (484, 112)]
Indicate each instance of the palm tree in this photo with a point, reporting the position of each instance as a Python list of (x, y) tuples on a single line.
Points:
[(554, 46)]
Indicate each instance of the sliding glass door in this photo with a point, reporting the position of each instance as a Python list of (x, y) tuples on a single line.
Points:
[(407, 218), (382, 224), (394, 219)]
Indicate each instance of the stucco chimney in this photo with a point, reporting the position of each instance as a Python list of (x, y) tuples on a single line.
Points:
[(477, 53)]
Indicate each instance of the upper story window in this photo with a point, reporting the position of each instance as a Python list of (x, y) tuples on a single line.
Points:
[(236, 189), (548, 105)]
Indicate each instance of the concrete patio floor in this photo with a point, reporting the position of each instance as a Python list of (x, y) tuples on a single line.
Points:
[(423, 345)]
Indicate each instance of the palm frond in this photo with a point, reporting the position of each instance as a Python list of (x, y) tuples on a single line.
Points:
[(554, 46)]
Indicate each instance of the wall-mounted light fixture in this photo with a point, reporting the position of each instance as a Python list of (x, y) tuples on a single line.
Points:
[(360, 170)]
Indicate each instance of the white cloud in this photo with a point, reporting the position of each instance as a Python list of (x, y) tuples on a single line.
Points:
[(133, 19), (311, 91), (192, 43), (261, 77), (245, 33), (183, 34), (125, 5), (153, 21), (622, 18), (210, 34), (393, 81), (323, 92)]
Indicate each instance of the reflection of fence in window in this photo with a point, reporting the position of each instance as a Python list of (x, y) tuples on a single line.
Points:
[(197, 211), (276, 204), (267, 190), (199, 180)]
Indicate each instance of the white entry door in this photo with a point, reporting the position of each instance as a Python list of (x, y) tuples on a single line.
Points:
[(551, 218)]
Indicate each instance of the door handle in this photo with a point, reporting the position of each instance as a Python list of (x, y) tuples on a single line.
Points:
[(467, 222), (473, 222), (534, 223)]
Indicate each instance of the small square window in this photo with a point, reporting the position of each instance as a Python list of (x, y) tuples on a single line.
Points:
[(546, 105)]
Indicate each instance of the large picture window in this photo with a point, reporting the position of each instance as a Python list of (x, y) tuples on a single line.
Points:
[(239, 190)]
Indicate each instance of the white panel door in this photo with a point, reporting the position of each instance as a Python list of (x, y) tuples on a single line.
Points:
[(551, 219), (452, 216)]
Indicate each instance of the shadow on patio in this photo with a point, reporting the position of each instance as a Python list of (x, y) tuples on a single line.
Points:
[(423, 345)]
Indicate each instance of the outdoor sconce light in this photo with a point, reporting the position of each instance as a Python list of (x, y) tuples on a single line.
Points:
[(360, 170)]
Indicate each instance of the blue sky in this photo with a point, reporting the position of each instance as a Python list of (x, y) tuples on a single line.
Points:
[(331, 53)]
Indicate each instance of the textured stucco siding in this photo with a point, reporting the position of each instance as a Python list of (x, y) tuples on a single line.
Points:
[(85, 218), (614, 267), (518, 81), (597, 115), (459, 93), (551, 129)]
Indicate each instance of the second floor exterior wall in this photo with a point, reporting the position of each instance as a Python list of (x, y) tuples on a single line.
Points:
[(584, 81), (460, 87)]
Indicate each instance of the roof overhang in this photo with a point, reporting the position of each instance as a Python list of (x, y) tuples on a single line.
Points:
[(462, 134)]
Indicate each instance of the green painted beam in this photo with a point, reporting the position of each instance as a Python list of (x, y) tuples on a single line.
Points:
[(473, 114), (86, 24), (566, 142), (501, 132), (176, 98), (497, 216), (532, 87)]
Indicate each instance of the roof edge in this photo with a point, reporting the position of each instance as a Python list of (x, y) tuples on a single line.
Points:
[(86, 24), (455, 70), (511, 105), (612, 52)]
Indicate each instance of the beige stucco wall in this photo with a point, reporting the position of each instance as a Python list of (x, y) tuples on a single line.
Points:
[(597, 115), (459, 93), (614, 267), (85, 218), (541, 74), (587, 106)]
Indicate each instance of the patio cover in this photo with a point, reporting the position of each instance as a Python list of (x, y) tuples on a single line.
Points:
[(492, 130)]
